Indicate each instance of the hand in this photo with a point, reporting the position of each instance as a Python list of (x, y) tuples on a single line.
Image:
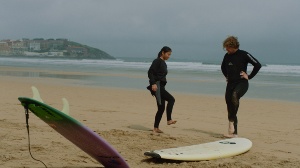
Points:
[(154, 87), (244, 75)]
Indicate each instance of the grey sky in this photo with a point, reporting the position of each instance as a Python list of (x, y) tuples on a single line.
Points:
[(268, 29)]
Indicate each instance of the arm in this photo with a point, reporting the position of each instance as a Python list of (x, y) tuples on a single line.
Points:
[(256, 65), (152, 74), (223, 68)]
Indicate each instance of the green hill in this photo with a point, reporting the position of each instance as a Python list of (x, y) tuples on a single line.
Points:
[(91, 52), (40, 47)]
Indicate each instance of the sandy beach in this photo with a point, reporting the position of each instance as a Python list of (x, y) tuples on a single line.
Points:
[(124, 117)]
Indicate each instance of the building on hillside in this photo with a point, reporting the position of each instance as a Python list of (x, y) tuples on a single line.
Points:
[(18, 47), (4, 48), (34, 46), (58, 44), (77, 51)]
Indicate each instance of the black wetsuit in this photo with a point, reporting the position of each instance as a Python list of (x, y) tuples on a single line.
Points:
[(231, 67), (158, 72)]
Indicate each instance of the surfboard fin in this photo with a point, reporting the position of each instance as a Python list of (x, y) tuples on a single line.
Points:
[(65, 106), (36, 94)]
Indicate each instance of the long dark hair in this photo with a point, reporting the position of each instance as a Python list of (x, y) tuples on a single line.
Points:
[(164, 49)]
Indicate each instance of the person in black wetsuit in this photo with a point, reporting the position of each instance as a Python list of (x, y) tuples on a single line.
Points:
[(234, 68), (157, 78)]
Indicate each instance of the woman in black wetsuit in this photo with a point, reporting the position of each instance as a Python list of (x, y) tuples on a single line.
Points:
[(234, 68), (157, 78)]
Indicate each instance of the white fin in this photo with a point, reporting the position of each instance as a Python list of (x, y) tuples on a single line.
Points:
[(65, 106), (36, 94)]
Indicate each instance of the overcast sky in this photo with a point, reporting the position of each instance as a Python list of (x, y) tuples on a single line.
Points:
[(268, 29)]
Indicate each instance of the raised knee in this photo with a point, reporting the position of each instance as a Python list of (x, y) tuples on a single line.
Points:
[(173, 100)]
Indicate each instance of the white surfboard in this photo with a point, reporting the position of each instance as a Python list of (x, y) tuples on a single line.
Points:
[(206, 151)]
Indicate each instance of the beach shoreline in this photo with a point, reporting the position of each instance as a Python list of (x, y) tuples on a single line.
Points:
[(124, 117)]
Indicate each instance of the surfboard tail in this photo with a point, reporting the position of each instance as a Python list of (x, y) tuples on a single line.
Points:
[(37, 96)]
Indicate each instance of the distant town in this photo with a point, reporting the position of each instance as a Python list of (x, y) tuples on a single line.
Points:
[(40, 47)]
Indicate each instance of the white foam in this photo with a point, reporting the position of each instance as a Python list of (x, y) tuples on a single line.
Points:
[(178, 66)]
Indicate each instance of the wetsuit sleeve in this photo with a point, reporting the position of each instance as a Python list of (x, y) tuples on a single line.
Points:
[(152, 71), (223, 68), (256, 65)]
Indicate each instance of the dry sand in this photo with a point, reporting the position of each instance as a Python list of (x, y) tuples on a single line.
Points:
[(125, 117)]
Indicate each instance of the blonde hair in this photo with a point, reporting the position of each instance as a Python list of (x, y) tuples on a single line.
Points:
[(232, 42)]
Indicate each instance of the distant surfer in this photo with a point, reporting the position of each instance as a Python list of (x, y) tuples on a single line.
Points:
[(234, 68), (157, 78)]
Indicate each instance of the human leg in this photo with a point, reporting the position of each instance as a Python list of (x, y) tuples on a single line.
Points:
[(233, 95), (159, 113), (171, 100), (230, 107), (238, 92)]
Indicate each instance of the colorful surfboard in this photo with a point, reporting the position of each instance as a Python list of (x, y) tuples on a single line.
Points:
[(80, 135)]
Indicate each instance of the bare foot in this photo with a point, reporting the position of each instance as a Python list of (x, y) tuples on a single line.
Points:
[(156, 130), (230, 135), (171, 122)]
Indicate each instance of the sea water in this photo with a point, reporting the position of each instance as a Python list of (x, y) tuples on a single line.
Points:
[(278, 82)]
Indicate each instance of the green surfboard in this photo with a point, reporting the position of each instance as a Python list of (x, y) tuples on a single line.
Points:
[(80, 135)]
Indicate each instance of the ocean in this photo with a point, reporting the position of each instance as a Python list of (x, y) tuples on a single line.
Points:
[(276, 82)]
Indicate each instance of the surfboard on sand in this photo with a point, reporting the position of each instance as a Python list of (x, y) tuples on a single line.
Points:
[(74, 131), (206, 151)]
